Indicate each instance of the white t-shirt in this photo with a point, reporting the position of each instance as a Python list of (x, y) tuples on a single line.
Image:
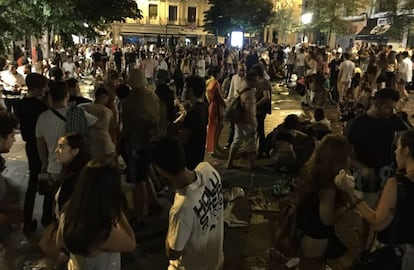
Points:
[(201, 68), (346, 71), (406, 70), (10, 80), (196, 222), (51, 128), (235, 84), (69, 67)]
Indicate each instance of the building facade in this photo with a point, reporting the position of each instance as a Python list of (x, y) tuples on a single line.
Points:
[(284, 28), (167, 21)]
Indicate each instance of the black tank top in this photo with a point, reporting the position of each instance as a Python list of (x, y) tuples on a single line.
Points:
[(403, 218)]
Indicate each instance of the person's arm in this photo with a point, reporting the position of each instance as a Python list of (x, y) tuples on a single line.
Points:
[(59, 234), (121, 238), (232, 88), (384, 214), (43, 152), (339, 72)]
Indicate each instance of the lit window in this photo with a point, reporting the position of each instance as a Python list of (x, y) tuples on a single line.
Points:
[(192, 14), (153, 11)]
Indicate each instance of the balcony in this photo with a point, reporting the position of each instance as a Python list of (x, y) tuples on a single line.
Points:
[(164, 21)]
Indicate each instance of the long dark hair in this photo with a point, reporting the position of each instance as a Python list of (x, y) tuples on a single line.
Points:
[(166, 96), (76, 141), (95, 206), (71, 171), (331, 155), (407, 139)]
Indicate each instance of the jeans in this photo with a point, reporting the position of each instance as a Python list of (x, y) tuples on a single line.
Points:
[(35, 166)]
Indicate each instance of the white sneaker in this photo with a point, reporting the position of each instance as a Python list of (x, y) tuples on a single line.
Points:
[(293, 262), (327, 267)]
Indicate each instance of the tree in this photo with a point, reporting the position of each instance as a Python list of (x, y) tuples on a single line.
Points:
[(328, 15), (34, 17), (217, 19), (282, 19), (246, 15), (399, 14)]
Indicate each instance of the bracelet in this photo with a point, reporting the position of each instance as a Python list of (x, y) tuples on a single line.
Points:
[(357, 200), (350, 207)]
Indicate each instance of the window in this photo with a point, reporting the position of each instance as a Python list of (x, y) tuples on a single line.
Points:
[(192, 14), (153, 11), (172, 13)]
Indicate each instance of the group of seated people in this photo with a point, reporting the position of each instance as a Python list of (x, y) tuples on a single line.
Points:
[(291, 143)]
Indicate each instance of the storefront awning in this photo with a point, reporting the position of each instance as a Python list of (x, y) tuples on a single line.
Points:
[(373, 31)]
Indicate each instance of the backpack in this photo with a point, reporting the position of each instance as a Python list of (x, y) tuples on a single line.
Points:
[(234, 108), (287, 236), (75, 120)]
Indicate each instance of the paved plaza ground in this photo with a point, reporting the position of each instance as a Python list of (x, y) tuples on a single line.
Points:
[(248, 247)]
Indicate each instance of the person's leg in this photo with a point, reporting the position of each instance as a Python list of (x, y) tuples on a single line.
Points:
[(30, 196), (312, 253), (231, 135), (340, 87), (217, 148), (261, 132), (249, 136), (237, 141)]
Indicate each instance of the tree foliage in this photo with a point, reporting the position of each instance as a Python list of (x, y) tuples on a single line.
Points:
[(282, 18), (328, 15), (33, 17), (399, 14), (246, 15)]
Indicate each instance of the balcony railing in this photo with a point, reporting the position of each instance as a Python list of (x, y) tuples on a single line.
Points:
[(164, 21)]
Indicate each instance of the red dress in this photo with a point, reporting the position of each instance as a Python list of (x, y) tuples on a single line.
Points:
[(215, 111)]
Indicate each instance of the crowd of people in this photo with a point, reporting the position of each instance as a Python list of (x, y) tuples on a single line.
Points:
[(159, 111)]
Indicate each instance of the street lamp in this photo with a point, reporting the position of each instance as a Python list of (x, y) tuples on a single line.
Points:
[(306, 19)]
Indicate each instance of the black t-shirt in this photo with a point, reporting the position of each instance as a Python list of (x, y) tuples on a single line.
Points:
[(28, 110), (196, 120), (262, 86), (333, 67), (118, 57), (97, 57), (373, 138)]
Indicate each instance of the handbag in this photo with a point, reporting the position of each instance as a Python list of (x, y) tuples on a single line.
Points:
[(385, 258), (390, 256), (287, 235), (48, 241)]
